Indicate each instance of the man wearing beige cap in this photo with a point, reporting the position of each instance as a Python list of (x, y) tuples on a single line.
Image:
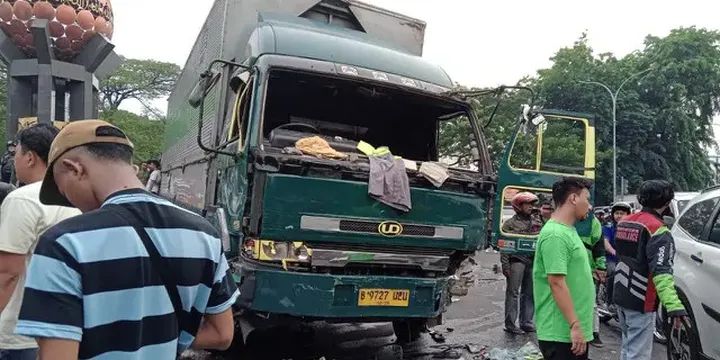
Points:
[(134, 276)]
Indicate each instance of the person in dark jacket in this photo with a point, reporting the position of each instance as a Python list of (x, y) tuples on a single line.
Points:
[(5, 189), (518, 268), (619, 211), (644, 273), (7, 163), (546, 208)]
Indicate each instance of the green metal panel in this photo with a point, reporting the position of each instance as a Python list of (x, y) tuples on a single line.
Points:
[(328, 296), (289, 197), (307, 39), (232, 191), (181, 129), (233, 179)]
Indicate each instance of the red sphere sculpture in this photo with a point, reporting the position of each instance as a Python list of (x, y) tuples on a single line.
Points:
[(72, 23)]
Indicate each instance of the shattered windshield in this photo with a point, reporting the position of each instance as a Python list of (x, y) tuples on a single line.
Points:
[(345, 112)]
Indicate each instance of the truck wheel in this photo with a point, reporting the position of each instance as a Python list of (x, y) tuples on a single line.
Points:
[(408, 331)]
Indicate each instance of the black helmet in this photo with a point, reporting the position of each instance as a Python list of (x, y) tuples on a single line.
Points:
[(621, 206), (655, 194), (545, 199)]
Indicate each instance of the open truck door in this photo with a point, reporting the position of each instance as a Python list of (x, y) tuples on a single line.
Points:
[(545, 148)]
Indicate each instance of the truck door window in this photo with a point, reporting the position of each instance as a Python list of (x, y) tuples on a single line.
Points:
[(558, 146), (563, 147), (241, 111), (528, 220), (524, 151)]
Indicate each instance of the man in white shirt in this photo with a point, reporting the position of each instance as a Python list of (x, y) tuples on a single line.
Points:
[(22, 219), (153, 183)]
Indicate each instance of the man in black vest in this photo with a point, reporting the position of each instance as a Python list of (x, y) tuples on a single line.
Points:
[(645, 250)]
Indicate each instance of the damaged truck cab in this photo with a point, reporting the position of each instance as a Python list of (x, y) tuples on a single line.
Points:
[(304, 238)]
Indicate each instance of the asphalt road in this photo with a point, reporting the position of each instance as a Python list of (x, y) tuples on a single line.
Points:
[(473, 323)]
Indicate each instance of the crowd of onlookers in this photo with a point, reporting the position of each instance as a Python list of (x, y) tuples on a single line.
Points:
[(149, 172), (93, 263), (552, 292)]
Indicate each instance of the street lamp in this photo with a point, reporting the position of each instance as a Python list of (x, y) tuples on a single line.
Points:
[(614, 96)]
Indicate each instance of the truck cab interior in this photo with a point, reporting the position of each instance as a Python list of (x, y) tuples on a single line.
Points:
[(344, 112)]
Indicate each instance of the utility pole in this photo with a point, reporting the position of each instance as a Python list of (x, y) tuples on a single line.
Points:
[(614, 97)]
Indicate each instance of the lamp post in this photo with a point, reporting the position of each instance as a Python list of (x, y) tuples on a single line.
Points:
[(614, 97)]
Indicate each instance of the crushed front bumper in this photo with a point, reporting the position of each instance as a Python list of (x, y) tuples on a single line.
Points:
[(326, 296)]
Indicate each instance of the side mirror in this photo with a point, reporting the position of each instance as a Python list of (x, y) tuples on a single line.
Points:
[(532, 117), (537, 119), (526, 112), (198, 92)]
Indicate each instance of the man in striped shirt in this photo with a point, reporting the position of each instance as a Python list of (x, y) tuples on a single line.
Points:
[(134, 277)]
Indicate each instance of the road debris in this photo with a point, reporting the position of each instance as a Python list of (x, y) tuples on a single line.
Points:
[(475, 349), (438, 337), (528, 352)]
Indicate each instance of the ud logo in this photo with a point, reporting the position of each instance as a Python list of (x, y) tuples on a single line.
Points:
[(390, 228)]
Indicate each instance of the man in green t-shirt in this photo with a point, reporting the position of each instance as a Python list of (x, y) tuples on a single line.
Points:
[(563, 284)]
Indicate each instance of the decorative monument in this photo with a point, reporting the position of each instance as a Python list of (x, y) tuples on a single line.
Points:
[(55, 52)]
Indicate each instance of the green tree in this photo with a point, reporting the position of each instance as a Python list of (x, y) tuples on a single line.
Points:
[(145, 134), (141, 80), (684, 92), (664, 119), (561, 87)]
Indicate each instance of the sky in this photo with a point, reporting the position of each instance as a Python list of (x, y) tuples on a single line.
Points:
[(478, 42)]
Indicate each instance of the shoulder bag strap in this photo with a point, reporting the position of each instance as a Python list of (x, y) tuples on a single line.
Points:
[(160, 265)]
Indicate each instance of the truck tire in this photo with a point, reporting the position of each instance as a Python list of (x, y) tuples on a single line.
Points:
[(408, 331)]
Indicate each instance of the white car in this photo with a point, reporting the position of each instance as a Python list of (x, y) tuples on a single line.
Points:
[(697, 277)]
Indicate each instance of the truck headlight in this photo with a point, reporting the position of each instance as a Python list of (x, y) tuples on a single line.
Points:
[(278, 251)]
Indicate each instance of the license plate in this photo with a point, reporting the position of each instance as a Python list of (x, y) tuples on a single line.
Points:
[(383, 297)]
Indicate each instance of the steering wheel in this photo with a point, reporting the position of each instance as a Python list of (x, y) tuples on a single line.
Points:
[(299, 125)]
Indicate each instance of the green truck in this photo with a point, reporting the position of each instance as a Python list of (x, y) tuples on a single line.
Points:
[(304, 238)]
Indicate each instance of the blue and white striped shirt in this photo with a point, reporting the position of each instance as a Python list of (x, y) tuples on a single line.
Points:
[(91, 280)]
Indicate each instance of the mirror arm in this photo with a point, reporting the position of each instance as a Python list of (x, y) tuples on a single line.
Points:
[(226, 62), (497, 106), (201, 110), (528, 89), (202, 146)]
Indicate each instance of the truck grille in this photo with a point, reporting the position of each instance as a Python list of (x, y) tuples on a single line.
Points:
[(372, 227), (330, 224)]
